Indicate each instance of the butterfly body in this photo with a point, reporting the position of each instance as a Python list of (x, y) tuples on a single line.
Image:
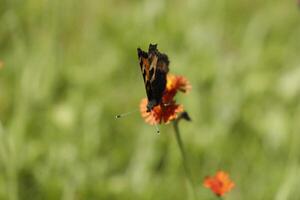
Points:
[(154, 66)]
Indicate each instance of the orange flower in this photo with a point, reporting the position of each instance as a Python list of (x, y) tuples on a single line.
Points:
[(168, 110), (1, 64), (174, 84), (160, 113), (177, 83), (219, 184)]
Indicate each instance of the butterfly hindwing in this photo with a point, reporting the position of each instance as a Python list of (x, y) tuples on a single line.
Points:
[(154, 66)]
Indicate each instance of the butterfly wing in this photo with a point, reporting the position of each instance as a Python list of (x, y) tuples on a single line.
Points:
[(154, 67), (144, 64)]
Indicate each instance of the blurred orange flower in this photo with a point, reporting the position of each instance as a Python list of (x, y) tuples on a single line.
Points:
[(219, 184), (167, 110), (1, 64), (174, 84), (178, 83), (160, 113)]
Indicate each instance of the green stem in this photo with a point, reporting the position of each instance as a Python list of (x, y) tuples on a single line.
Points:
[(184, 160)]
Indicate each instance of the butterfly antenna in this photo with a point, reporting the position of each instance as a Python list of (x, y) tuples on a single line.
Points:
[(125, 114), (157, 129)]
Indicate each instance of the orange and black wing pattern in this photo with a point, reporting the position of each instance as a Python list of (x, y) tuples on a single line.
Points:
[(154, 66)]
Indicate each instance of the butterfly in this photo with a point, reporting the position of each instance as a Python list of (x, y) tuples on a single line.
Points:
[(154, 66)]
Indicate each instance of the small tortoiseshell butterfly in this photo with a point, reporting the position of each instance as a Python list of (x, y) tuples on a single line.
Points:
[(154, 66)]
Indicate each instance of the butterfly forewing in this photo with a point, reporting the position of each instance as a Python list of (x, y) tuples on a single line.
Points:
[(154, 66)]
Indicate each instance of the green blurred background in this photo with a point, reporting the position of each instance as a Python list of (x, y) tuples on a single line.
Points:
[(70, 66)]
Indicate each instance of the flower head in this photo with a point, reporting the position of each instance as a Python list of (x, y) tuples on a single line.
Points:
[(167, 110), (219, 184), (160, 113), (175, 84)]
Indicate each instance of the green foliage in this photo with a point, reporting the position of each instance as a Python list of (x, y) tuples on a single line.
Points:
[(70, 66)]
